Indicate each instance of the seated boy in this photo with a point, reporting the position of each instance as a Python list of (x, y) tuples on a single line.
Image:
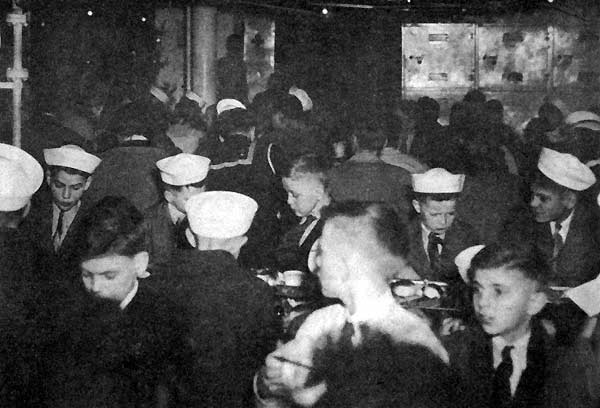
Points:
[(436, 235), (305, 182), (507, 359)]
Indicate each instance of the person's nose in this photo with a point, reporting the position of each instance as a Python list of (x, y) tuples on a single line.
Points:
[(66, 193), (534, 202)]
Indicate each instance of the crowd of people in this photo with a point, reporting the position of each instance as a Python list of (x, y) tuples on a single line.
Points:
[(135, 257)]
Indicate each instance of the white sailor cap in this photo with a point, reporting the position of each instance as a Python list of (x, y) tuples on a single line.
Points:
[(437, 181), (229, 104), (464, 258), (307, 103), (565, 169), (183, 169), (584, 119), (20, 177), (72, 156), (220, 214), (159, 94)]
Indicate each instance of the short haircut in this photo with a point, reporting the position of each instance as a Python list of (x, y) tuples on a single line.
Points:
[(524, 257), (541, 180), (381, 373), (235, 120), (171, 187), (290, 106), (474, 96), (370, 136), (113, 227), (423, 197), (389, 229), (428, 106), (188, 112), (494, 106), (54, 170), (308, 164)]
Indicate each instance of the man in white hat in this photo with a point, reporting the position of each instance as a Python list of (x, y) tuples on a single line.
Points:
[(20, 269), (232, 312), (53, 222), (182, 176), (436, 235), (20, 177), (562, 226)]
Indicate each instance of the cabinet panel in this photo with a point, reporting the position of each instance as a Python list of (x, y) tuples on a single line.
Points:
[(576, 56), (513, 57), (437, 56)]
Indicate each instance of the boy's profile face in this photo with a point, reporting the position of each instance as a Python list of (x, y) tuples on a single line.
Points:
[(178, 198), (304, 193), (504, 301), (548, 205), (436, 216)]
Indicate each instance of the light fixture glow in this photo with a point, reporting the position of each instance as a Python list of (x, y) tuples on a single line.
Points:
[(90, 13), (143, 19), (324, 11)]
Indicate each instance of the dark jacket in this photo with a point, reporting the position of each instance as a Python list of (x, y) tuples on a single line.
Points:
[(163, 237), (579, 258), (458, 237), (127, 358), (233, 320), (371, 181), (128, 171), (61, 264), (554, 377), (293, 256)]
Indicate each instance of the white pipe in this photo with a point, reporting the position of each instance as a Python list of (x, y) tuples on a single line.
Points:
[(17, 74)]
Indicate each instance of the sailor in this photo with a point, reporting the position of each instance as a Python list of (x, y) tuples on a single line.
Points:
[(436, 235), (561, 225), (53, 221), (232, 313), (182, 176)]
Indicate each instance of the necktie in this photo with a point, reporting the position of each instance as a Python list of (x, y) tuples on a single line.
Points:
[(501, 394), (56, 238), (558, 241), (435, 260)]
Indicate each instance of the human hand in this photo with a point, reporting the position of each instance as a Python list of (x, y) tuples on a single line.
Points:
[(451, 325)]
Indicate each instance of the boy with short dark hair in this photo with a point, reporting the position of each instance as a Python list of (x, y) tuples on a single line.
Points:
[(53, 220), (508, 359)]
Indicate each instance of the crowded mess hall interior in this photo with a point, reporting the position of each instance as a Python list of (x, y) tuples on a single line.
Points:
[(308, 203)]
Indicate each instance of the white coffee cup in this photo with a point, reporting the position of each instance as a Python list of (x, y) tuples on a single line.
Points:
[(293, 278)]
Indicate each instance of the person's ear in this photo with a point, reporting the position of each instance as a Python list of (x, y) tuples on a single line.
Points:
[(569, 199), (48, 178), (417, 206), (191, 238), (169, 196), (234, 245), (536, 303), (141, 260), (87, 184)]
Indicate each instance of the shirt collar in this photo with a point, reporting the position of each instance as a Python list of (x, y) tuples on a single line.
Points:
[(518, 353), (174, 213), (564, 225), (125, 302)]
